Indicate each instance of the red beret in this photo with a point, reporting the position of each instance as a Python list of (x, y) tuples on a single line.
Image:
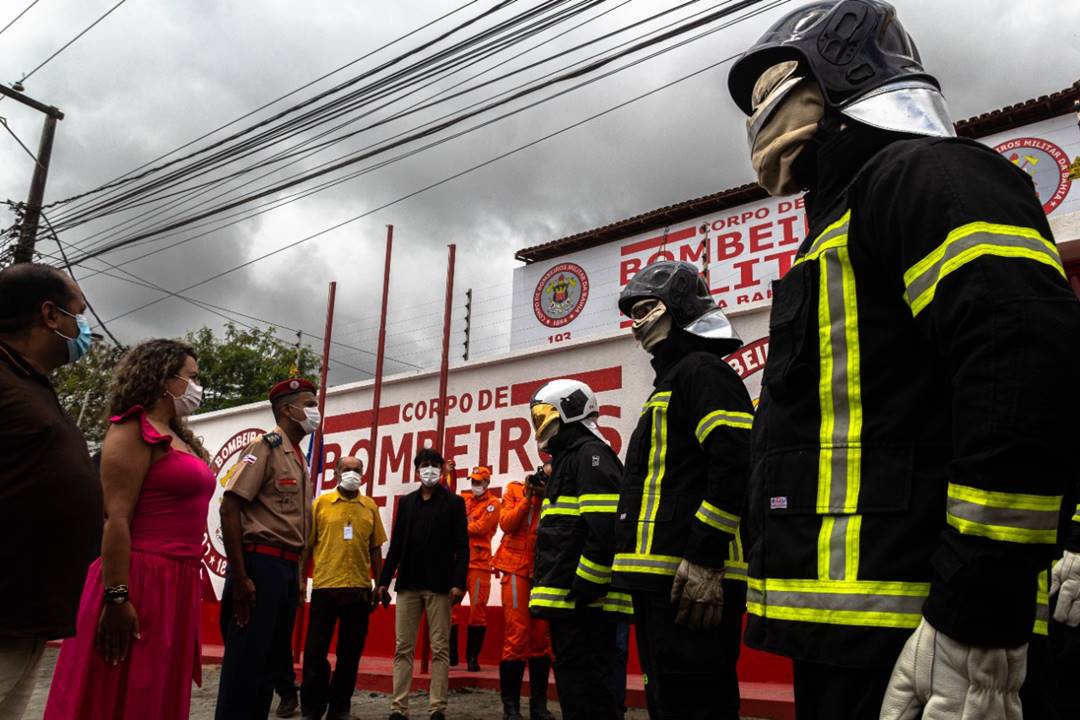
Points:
[(291, 386)]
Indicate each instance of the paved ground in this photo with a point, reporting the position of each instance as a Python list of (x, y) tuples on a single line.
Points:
[(464, 704)]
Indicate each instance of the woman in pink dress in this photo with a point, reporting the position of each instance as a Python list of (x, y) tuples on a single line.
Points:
[(136, 648)]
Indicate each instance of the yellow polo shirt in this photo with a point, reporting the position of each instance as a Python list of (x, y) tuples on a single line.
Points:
[(343, 533)]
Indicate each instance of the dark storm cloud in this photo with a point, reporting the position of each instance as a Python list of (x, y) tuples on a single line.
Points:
[(156, 74)]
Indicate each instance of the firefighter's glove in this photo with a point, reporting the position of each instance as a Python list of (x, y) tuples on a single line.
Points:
[(938, 678), (1065, 580), (697, 595)]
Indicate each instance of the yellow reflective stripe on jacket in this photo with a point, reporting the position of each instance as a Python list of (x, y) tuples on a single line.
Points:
[(657, 400), (1076, 516), (718, 418), (714, 517), (551, 597), (833, 236), (1009, 517), (565, 505), (840, 400), (593, 572), (1042, 605), (971, 241), (734, 570), (654, 475), (863, 603), (646, 563), (599, 503)]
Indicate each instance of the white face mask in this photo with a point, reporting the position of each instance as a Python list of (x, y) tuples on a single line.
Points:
[(479, 490), (188, 401), (311, 420), (429, 476), (349, 481)]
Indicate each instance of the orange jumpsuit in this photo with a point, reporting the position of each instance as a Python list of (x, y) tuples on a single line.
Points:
[(525, 636), (483, 517)]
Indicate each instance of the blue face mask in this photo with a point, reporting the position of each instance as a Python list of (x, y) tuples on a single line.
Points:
[(80, 344)]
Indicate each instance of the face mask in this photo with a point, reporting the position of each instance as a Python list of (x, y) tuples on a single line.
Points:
[(780, 129), (311, 420), (654, 324), (429, 476), (80, 344), (349, 481), (479, 490), (188, 401)]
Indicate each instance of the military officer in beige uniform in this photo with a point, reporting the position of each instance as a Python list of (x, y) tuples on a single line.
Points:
[(265, 517)]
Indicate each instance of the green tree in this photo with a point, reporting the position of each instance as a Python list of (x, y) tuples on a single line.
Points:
[(241, 366), (83, 389), (236, 368)]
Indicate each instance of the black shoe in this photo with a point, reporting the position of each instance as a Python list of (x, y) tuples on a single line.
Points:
[(438, 715), (539, 668), (473, 645), (288, 705), (511, 673), (398, 716), (338, 715)]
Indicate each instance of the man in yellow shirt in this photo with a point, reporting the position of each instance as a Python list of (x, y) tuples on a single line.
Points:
[(346, 546)]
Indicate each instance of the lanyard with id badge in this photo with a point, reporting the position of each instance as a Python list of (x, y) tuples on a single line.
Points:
[(348, 531)]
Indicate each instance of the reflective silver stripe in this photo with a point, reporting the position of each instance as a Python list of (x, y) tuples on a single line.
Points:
[(836, 230), (658, 565), (514, 591), (617, 602), (567, 505), (650, 501), (599, 503), (476, 592), (740, 420), (967, 243), (847, 601), (720, 521), (734, 570), (1023, 521)]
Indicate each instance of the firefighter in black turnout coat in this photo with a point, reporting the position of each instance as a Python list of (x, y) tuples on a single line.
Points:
[(910, 450), (678, 548), (575, 541)]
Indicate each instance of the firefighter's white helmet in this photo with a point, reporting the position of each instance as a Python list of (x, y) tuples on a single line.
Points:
[(563, 401)]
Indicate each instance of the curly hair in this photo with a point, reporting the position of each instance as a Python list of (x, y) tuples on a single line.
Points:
[(139, 379)]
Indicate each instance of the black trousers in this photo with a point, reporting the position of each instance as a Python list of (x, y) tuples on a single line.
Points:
[(252, 662), (828, 692), (688, 673), (1065, 668), (584, 646), (348, 609)]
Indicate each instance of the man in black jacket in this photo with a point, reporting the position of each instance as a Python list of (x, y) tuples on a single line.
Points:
[(575, 542), (429, 551), (677, 544), (911, 447)]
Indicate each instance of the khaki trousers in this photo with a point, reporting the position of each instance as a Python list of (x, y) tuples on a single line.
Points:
[(410, 605), (19, 661)]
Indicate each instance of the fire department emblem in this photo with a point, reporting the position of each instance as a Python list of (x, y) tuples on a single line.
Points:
[(561, 295), (225, 462), (1046, 163)]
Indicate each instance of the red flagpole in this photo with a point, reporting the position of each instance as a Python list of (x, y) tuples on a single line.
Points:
[(376, 400), (444, 368), (315, 464)]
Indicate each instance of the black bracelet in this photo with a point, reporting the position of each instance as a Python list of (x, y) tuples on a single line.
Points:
[(117, 594)]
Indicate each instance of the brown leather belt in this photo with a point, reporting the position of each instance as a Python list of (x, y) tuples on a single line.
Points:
[(272, 551)]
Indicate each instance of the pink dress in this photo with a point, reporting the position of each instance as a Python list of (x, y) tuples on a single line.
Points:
[(166, 590)]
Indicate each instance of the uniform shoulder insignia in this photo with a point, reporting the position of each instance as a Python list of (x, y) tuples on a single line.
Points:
[(596, 461), (272, 439)]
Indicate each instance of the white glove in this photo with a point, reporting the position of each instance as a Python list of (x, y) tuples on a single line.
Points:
[(698, 595), (1066, 577), (938, 678)]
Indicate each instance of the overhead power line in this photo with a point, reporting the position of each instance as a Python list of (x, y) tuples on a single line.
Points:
[(443, 181), (71, 42), (16, 18), (455, 120)]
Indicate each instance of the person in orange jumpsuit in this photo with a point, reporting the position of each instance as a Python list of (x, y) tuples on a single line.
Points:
[(482, 510), (526, 638)]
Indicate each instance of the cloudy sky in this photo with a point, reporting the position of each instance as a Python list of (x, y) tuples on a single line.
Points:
[(156, 74)]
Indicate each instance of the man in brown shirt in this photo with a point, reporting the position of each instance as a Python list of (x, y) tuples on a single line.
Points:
[(50, 497), (265, 518)]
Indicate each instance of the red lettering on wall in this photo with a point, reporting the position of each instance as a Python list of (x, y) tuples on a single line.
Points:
[(514, 436)]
